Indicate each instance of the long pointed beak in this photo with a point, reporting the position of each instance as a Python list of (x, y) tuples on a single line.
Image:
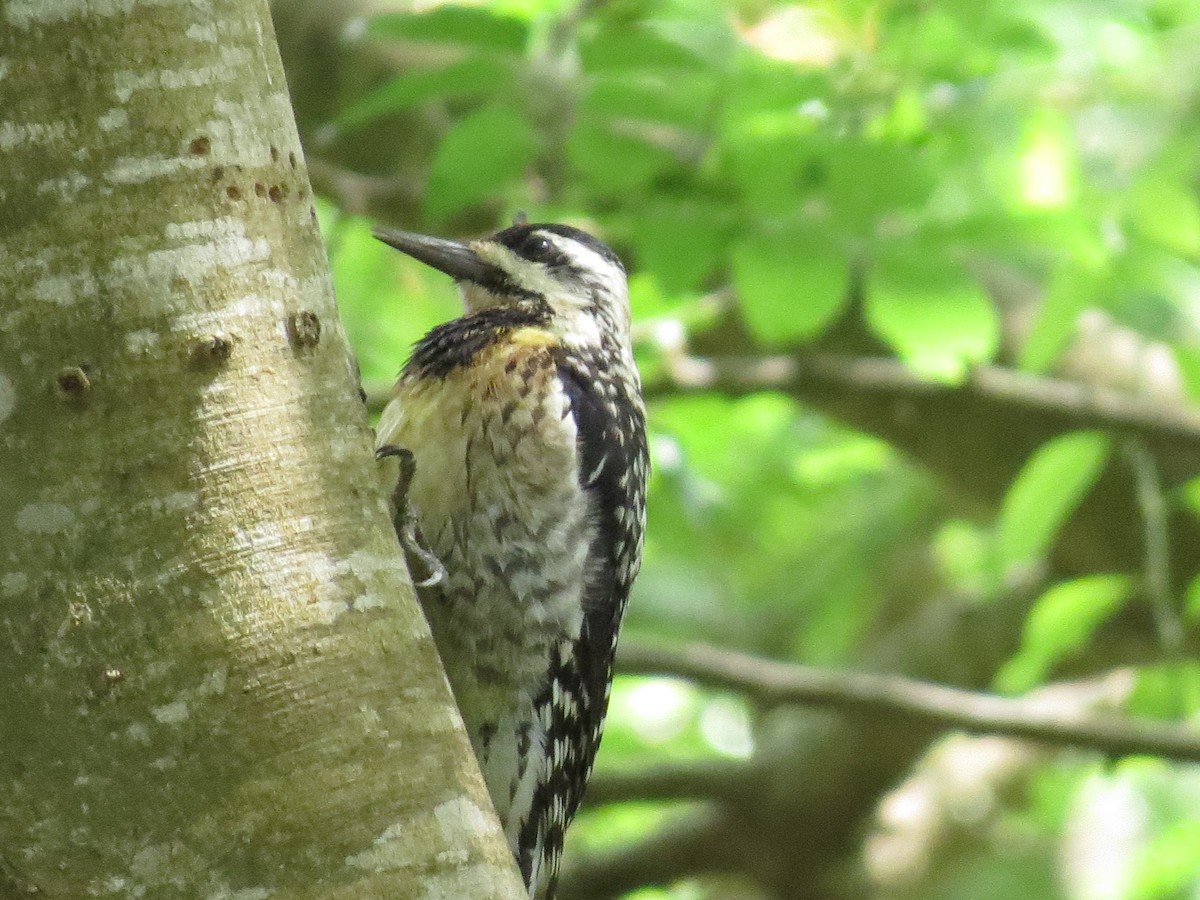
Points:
[(454, 258)]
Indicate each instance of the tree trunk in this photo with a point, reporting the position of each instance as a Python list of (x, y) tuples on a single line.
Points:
[(216, 680)]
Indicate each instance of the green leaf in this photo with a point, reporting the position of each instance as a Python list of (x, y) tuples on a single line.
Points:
[(532, 9), (963, 552), (1188, 359), (1166, 691), (788, 287), (907, 119), (1047, 490), (1062, 622), (937, 318), (1168, 867), (478, 157), (613, 162), (1165, 210), (1072, 289), (648, 299), (759, 84), (682, 241), (775, 158), (649, 98), (705, 33), (637, 48), (1047, 165), (469, 26), (478, 76), (868, 179), (1191, 604)]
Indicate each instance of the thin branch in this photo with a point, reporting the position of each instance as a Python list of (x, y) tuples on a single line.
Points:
[(1156, 540), (922, 702), (1078, 405), (683, 847), (721, 779), (361, 194), (1083, 405)]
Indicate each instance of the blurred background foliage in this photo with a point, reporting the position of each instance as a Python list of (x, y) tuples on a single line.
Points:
[(917, 303)]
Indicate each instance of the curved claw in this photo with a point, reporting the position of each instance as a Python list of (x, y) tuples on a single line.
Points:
[(384, 451), (408, 467), (406, 522), (413, 546)]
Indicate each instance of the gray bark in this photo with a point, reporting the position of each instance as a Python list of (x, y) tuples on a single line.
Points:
[(215, 679)]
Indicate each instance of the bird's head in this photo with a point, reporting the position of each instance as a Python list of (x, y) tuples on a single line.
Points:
[(572, 278)]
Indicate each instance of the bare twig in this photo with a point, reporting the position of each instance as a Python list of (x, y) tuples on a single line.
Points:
[(919, 701), (708, 779), (1084, 405), (1157, 568), (1078, 405), (361, 194), (689, 845)]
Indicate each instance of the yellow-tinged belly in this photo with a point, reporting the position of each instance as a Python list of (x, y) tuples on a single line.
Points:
[(496, 493)]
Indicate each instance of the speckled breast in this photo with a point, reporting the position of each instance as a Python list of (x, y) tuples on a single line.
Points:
[(496, 492)]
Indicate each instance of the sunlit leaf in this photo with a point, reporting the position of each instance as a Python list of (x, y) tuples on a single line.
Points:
[(774, 158), (1170, 691), (939, 320), (1072, 289), (906, 119), (761, 85), (1188, 360), (705, 33), (1170, 866), (649, 97), (1165, 210), (477, 76), (638, 49), (612, 161), (477, 158), (789, 287), (613, 825), (868, 179), (469, 26), (681, 240), (1048, 489), (1192, 600), (1061, 622), (962, 550), (854, 458), (1046, 163), (529, 9), (386, 300)]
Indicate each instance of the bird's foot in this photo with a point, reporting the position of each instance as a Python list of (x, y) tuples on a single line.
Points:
[(407, 527)]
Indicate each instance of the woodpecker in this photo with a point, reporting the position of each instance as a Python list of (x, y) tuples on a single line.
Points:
[(523, 437)]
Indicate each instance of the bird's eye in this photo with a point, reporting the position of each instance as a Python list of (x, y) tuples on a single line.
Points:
[(537, 247)]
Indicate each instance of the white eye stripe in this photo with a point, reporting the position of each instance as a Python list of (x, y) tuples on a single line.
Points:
[(585, 258), (587, 298), (529, 275)]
